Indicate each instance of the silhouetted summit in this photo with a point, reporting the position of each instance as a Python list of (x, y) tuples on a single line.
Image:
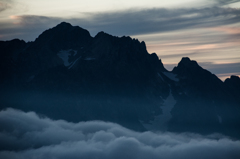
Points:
[(234, 80), (186, 62), (64, 35), (67, 74), (187, 65), (233, 85)]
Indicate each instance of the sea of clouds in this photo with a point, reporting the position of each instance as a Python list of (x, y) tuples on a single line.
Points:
[(28, 135)]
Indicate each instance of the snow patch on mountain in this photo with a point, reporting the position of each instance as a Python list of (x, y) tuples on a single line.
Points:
[(160, 76), (160, 121), (171, 76), (73, 63), (64, 55), (75, 53)]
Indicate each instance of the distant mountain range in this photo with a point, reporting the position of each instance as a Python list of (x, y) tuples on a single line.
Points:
[(67, 74)]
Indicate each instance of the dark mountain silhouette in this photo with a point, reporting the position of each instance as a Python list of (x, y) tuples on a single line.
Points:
[(67, 74)]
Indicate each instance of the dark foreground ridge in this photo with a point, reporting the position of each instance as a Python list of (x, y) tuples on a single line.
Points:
[(67, 74)]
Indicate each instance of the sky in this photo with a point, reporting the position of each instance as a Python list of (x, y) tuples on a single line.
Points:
[(207, 31)]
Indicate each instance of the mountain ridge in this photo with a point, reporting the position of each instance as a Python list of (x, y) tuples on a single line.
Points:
[(67, 74)]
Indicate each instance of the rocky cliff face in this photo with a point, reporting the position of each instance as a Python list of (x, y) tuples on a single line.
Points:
[(67, 74)]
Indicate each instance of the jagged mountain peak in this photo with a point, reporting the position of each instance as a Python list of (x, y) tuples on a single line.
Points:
[(233, 81), (235, 78), (64, 24), (114, 47), (187, 62), (63, 36), (186, 66), (17, 41), (124, 39), (63, 31), (102, 34), (12, 44), (185, 59)]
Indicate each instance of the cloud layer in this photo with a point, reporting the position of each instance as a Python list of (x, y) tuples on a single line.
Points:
[(26, 135)]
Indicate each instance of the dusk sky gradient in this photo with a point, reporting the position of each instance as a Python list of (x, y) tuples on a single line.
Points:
[(207, 31)]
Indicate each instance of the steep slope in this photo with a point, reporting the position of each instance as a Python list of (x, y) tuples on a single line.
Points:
[(203, 100), (10, 51), (65, 73), (233, 86)]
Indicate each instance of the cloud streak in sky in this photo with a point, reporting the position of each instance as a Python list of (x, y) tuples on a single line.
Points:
[(223, 70), (161, 20), (135, 21), (26, 135), (5, 4), (224, 2)]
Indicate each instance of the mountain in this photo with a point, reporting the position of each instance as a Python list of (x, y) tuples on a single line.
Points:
[(67, 74)]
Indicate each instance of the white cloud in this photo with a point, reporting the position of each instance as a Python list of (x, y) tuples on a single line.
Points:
[(26, 135)]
